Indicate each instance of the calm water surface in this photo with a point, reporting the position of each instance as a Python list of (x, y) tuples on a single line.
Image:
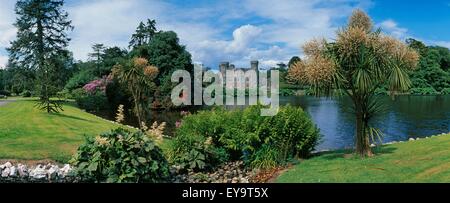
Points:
[(405, 117)]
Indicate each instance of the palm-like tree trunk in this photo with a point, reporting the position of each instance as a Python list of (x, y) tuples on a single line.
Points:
[(362, 138), (137, 106)]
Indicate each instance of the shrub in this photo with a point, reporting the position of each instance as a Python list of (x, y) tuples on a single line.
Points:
[(5, 93), (445, 91), (117, 95), (121, 156), (286, 92), (381, 91), (92, 97), (194, 147), (309, 92), (423, 91), (218, 135), (90, 102), (291, 132), (97, 85), (64, 94), (26, 93), (265, 158), (79, 80), (242, 135), (77, 93)]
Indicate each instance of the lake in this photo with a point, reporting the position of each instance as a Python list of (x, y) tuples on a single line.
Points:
[(405, 117)]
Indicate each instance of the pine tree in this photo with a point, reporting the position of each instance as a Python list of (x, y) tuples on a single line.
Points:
[(144, 34), (41, 39), (97, 55)]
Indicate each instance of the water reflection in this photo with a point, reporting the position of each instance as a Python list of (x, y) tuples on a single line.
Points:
[(405, 117)]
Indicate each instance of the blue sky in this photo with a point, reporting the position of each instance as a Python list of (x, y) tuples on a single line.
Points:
[(238, 31)]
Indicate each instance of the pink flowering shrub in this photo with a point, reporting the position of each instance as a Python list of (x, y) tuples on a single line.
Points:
[(97, 85), (185, 113), (178, 124)]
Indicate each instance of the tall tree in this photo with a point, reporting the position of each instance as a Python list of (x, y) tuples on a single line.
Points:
[(19, 78), (419, 46), (144, 34), (113, 55), (431, 72), (97, 56), (2, 80), (293, 60), (64, 67), (357, 63), (281, 66), (166, 53), (41, 37), (137, 76)]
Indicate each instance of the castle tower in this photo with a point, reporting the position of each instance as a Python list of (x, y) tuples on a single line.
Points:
[(254, 65), (223, 67)]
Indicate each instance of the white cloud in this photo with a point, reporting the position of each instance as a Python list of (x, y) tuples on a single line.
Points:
[(392, 27), (7, 30), (110, 22), (3, 61), (295, 22), (233, 30), (211, 51), (7, 35), (205, 29), (441, 43), (287, 25), (243, 37)]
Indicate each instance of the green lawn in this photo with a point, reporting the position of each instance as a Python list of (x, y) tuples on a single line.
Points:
[(27, 133), (426, 160)]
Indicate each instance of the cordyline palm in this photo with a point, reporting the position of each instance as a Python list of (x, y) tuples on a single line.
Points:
[(357, 63), (137, 76)]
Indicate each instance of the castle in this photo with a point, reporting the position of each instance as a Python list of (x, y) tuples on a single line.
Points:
[(224, 66)]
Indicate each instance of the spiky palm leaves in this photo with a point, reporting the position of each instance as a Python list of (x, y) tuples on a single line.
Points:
[(358, 62), (137, 76)]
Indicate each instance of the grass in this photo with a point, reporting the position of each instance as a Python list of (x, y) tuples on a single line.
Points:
[(27, 133), (423, 161)]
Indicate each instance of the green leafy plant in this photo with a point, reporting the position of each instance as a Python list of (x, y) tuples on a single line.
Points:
[(213, 137), (195, 152), (423, 91), (445, 91), (80, 79), (90, 102), (137, 76), (359, 61), (291, 132), (265, 158), (5, 93), (26, 93), (121, 156)]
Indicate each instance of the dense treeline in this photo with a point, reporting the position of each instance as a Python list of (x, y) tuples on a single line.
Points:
[(433, 73), (431, 77), (161, 49), (40, 61)]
